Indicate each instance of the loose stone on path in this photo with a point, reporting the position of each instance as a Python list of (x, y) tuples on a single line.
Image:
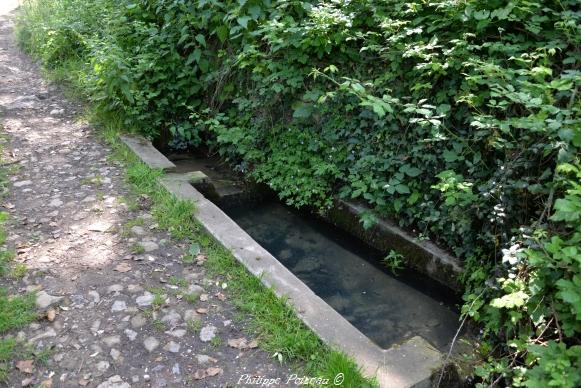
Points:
[(208, 333), (118, 306), (150, 343), (44, 300)]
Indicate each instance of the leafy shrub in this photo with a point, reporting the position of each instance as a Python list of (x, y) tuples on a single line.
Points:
[(460, 119)]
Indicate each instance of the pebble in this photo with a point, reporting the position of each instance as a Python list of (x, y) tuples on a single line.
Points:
[(94, 295), (100, 226), (172, 318), (22, 183), (138, 321), (55, 203), (114, 382), (57, 112), (148, 246), (95, 325), (208, 333), (115, 354), (195, 290), (172, 347), (150, 344), (44, 300), (134, 288), (191, 315), (131, 334), (178, 333), (112, 340), (138, 230), (102, 366), (203, 359), (118, 305), (145, 300), (115, 288), (50, 332)]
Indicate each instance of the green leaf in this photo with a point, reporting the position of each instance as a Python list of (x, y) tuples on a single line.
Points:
[(222, 32), (255, 11), (243, 21), (410, 171), (402, 189), (413, 198), (515, 299), (201, 39), (194, 56), (303, 111)]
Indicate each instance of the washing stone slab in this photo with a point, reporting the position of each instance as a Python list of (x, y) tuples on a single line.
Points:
[(148, 153), (409, 364)]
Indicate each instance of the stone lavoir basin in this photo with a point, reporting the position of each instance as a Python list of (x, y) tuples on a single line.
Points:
[(397, 328), (349, 277)]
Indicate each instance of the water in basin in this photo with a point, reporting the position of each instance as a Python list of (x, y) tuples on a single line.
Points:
[(348, 276)]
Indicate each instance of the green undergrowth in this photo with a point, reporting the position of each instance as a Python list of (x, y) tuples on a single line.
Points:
[(16, 311), (272, 319)]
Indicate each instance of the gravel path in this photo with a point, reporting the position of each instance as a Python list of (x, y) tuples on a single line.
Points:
[(111, 286)]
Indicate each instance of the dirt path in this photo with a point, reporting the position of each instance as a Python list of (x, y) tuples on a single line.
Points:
[(111, 277)]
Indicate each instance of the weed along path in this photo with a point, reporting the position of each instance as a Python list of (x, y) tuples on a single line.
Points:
[(121, 302)]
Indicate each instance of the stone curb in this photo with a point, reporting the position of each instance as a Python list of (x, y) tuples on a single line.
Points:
[(148, 153)]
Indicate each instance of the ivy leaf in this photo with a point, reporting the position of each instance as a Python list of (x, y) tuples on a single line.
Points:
[(368, 220), (481, 15), (303, 111), (450, 156), (566, 210), (255, 11), (413, 198)]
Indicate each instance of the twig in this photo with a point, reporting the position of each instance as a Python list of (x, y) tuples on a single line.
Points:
[(557, 322), (10, 163), (548, 206), (455, 338)]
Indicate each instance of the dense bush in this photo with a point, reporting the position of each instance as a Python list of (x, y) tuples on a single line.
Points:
[(460, 119)]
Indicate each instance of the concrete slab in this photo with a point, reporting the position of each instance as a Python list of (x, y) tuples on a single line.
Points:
[(148, 153)]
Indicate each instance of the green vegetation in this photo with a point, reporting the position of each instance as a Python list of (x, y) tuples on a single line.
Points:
[(394, 261), (460, 119), (15, 310)]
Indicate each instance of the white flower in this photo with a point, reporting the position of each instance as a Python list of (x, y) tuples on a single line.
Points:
[(510, 255)]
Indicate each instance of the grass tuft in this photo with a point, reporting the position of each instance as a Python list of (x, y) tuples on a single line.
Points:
[(16, 311)]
